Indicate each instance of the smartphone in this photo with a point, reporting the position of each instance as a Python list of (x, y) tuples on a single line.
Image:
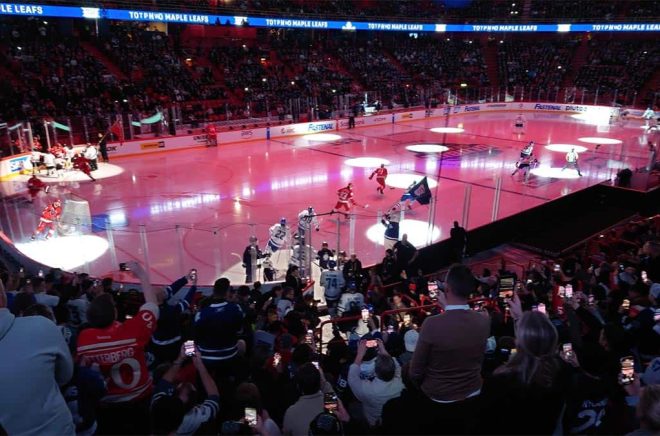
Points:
[(129, 317), (123, 267), (557, 267), (390, 328), (625, 304), (561, 291), (41, 273), (372, 343), (316, 364), (569, 291), (330, 402), (567, 348), (189, 348), (251, 416), (97, 283), (28, 281), (277, 358), (541, 308), (645, 277), (309, 337), (505, 295), (627, 370), (365, 315), (591, 300), (193, 274), (21, 270)]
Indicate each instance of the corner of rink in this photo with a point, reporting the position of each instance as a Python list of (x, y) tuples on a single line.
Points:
[(80, 250)]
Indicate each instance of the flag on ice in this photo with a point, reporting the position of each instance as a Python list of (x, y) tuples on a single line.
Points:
[(419, 192)]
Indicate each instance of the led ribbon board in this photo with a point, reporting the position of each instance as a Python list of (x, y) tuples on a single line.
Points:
[(31, 10)]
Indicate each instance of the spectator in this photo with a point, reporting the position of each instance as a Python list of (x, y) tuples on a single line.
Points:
[(173, 408), (217, 326), (311, 386), (350, 302), (36, 362), (447, 359), (410, 339), (119, 349), (352, 271), (173, 301), (648, 411), (374, 393), (405, 254), (458, 240), (530, 383)]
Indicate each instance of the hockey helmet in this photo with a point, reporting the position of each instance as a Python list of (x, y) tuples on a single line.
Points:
[(283, 221), (310, 210), (57, 203), (332, 264), (253, 239), (350, 185)]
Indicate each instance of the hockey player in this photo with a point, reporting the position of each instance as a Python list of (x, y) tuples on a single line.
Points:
[(49, 216), (525, 164), (251, 255), (332, 282), (91, 154), (279, 236), (519, 124), (49, 162), (391, 222), (34, 185), (35, 160), (80, 163), (69, 154), (211, 135), (306, 221), (381, 175), (345, 199), (572, 161), (648, 115), (527, 151)]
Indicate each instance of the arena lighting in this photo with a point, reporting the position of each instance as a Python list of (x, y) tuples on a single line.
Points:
[(555, 173), (366, 162), (403, 180), (322, 137), (427, 148), (565, 148), (42, 11), (415, 229), (593, 118), (447, 130), (65, 252), (602, 141)]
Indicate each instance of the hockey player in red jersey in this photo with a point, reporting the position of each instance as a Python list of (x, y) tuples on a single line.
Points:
[(345, 199), (82, 164), (381, 175), (34, 185), (49, 216)]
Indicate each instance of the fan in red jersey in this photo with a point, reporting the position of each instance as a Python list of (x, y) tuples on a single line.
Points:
[(34, 185), (119, 350), (345, 199), (49, 216), (82, 164), (381, 175)]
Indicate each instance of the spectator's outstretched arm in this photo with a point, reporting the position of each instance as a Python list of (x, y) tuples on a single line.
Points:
[(147, 290), (207, 381)]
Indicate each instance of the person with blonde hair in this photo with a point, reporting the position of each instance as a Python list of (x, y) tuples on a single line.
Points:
[(529, 389)]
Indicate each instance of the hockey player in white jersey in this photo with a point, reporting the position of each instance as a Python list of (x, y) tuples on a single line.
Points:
[(279, 236), (391, 222), (649, 116), (306, 221), (350, 301), (332, 282)]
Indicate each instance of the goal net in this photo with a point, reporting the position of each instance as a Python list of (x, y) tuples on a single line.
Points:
[(76, 217)]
